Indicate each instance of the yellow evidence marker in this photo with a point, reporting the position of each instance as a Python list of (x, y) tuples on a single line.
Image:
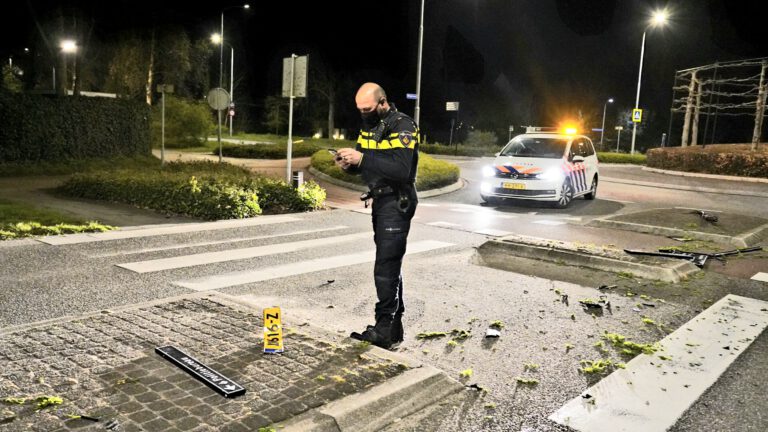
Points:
[(273, 331)]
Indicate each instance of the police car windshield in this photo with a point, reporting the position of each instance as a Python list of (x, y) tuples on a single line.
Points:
[(552, 148)]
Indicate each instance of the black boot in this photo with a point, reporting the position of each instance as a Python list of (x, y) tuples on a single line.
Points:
[(379, 335), (397, 331)]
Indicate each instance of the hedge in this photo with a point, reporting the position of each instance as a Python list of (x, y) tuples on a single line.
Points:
[(461, 150), (431, 173), (187, 123), (40, 128), (724, 159), (269, 151), (199, 189), (621, 158)]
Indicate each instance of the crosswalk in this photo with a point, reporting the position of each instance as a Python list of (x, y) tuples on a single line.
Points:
[(212, 255)]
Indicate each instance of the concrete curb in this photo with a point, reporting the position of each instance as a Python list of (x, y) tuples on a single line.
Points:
[(425, 194), (747, 239), (682, 187), (377, 407), (703, 175), (496, 253)]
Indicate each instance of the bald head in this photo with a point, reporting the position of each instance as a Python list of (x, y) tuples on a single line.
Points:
[(369, 96)]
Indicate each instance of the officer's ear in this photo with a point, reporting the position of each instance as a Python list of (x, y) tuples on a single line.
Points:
[(382, 101)]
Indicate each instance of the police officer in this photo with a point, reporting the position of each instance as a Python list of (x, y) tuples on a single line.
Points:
[(386, 156)]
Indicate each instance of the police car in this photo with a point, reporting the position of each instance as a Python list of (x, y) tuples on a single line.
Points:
[(543, 164)]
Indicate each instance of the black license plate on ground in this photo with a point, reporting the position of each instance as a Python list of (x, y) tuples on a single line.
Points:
[(223, 385)]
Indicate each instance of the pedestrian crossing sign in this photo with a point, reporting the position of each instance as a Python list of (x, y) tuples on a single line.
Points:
[(637, 115)]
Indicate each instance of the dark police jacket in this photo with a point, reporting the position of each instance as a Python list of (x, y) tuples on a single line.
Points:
[(390, 152)]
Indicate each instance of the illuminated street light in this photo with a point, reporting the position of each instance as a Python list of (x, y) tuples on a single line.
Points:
[(68, 46), (245, 6), (215, 38), (659, 18)]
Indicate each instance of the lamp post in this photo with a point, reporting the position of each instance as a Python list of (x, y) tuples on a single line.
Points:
[(417, 110), (221, 65), (602, 128), (659, 18), (67, 46), (216, 40)]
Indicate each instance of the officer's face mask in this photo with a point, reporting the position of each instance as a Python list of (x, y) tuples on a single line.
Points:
[(371, 118)]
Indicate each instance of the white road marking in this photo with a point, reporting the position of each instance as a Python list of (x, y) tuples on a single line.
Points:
[(210, 243), (651, 394), (461, 210), (235, 254), (492, 232), (158, 230), (443, 223), (694, 209), (301, 267), (421, 204), (762, 277), (618, 201), (549, 222)]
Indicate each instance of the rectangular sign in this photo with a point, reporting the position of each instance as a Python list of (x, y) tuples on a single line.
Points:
[(411, 96), (637, 115), (451, 106), (273, 331), (299, 76), (223, 385)]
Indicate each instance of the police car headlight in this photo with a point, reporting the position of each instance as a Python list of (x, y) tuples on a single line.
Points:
[(486, 187), (552, 174), (489, 171)]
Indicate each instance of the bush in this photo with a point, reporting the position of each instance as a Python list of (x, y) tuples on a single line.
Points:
[(29, 229), (724, 159), (478, 138), (48, 128), (431, 174), (199, 189), (621, 158), (187, 124), (269, 151), (460, 150)]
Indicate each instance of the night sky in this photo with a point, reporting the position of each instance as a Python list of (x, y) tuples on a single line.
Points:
[(513, 62)]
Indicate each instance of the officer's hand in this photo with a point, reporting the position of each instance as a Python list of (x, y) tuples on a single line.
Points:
[(350, 156), (340, 162)]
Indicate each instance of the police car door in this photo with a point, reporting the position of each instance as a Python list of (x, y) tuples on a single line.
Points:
[(578, 173), (590, 160)]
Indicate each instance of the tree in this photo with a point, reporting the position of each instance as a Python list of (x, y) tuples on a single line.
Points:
[(127, 68), (326, 83), (10, 79), (275, 113)]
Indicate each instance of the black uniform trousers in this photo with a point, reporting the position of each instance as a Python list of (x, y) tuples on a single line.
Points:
[(390, 228)]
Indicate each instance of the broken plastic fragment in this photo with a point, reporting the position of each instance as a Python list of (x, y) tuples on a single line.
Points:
[(492, 333)]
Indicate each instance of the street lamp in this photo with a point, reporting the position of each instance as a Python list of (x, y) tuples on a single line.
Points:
[(216, 39), (659, 18), (68, 46), (221, 63), (602, 128), (417, 110)]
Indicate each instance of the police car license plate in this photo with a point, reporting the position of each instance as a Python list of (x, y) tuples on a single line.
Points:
[(273, 330), (508, 185)]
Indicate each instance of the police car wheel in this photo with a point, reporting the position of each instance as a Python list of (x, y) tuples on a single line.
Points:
[(489, 200), (566, 194), (592, 190)]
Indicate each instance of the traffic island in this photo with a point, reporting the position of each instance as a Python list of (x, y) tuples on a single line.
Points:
[(499, 253), (102, 369), (688, 224)]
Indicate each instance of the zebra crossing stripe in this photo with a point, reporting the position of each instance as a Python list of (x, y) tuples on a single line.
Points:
[(155, 230), (250, 276), (235, 254), (652, 392)]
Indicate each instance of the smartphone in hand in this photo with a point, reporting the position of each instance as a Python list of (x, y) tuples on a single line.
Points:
[(332, 151)]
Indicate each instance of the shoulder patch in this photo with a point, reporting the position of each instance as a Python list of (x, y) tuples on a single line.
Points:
[(405, 138)]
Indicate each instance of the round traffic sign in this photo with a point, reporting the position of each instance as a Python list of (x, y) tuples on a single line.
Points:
[(218, 99)]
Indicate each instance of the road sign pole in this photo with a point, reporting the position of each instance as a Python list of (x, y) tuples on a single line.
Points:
[(618, 140), (162, 128), (290, 121)]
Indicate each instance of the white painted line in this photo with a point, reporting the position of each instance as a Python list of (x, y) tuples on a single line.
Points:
[(427, 205), (492, 232), (363, 211), (533, 213), (618, 201), (695, 209), (235, 254), (575, 219), (443, 223), (234, 240), (549, 222), (651, 394), (158, 230), (302, 267), (762, 277), (461, 210)]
